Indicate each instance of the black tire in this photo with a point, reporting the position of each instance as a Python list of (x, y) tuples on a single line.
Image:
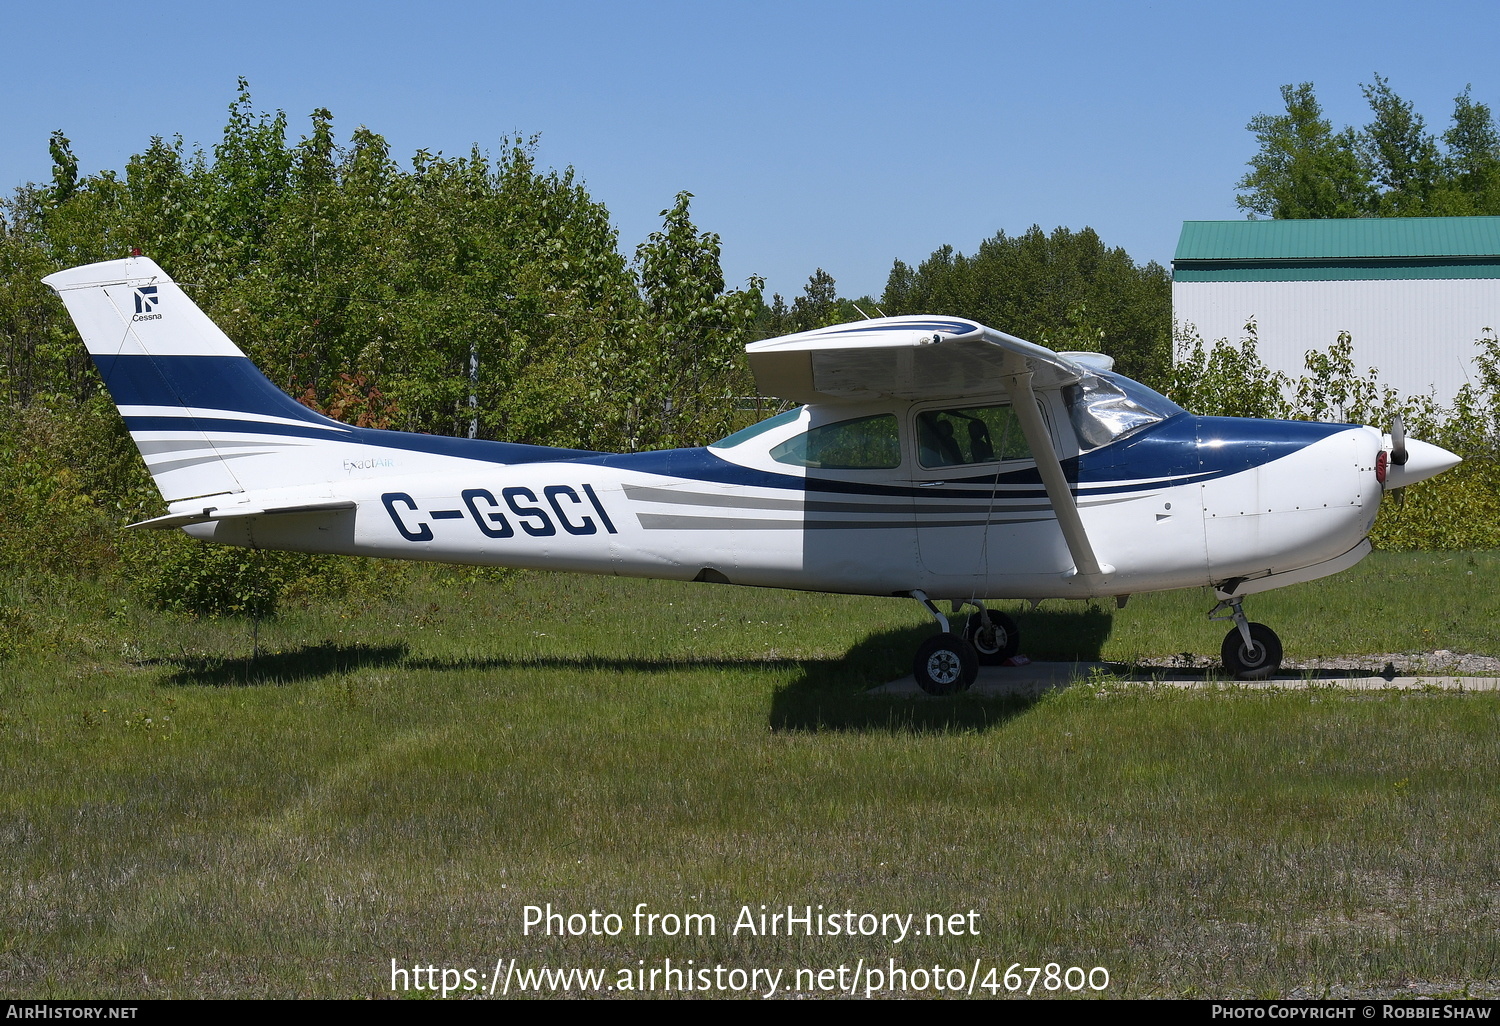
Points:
[(1262, 659), (945, 665), (999, 643)]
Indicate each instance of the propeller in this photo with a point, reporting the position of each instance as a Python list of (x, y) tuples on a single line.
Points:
[(1398, 441)]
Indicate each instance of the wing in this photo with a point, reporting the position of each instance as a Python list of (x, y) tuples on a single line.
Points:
[(903, 357), (936, 358)]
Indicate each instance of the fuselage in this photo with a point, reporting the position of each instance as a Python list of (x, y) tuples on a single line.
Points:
[(934, 455), (1184, 501)]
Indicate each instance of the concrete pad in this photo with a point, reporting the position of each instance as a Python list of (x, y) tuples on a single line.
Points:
[(1034, 678)]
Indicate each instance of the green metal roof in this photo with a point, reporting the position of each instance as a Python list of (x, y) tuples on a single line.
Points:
[(1331, 249), (1325, 239)]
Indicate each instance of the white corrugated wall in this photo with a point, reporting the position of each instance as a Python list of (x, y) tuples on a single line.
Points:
[(1419, 333)]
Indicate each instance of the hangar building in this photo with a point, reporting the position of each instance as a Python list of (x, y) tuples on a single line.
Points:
[(1412, 292)]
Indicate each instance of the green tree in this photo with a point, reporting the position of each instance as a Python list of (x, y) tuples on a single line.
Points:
[(1401, 154), (689, 354), (1303, 169), (1473, 159), (775, 319), (1392, 166), (64, 169), (818, 306), (472, 293)]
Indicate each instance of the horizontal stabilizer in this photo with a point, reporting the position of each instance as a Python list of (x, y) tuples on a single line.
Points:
[(238, 513)]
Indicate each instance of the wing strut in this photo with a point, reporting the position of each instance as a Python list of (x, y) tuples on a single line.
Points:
[(1023, 401)]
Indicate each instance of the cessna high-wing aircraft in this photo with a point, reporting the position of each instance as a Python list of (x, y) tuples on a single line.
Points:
[(934, 458)]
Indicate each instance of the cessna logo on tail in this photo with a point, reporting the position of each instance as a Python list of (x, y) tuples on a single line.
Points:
[(145, 304)]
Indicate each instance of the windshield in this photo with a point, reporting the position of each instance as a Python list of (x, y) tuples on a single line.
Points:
[(1105, 407)]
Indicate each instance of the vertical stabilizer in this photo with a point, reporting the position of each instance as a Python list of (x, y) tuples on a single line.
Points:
[(206, 421)]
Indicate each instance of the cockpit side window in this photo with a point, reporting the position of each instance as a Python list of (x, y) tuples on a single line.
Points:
[(955, 438), (866, 443)]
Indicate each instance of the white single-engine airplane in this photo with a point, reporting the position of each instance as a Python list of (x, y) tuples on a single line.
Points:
[(935, 458)]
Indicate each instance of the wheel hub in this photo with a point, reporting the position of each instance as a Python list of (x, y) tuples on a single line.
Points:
[(944, 667)]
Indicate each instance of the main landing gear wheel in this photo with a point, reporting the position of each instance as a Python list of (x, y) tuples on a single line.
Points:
[(1257, 662), (994, 645), (945, 665)]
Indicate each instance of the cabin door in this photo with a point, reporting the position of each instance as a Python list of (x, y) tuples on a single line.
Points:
[(979, 505)]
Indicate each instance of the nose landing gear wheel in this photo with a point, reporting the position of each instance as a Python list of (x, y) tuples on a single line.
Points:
[(1257, 662), (996, 645), (945, 665)]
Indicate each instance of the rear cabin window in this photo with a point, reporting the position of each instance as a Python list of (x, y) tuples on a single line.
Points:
[(868, 443), (957, 438), (744, 435)]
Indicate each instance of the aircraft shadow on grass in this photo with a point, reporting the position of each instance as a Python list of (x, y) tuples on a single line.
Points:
[(592, 663), (834, 694), (307, 662), (830, 694)]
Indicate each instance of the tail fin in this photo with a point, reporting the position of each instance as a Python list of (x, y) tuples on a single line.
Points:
[(206, 421)]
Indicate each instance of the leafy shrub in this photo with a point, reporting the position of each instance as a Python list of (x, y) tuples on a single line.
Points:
[(1227, 380), (183, 575), (67, 472), (215, 580)]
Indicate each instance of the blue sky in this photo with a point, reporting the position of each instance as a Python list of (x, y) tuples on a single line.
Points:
[(839, 135)]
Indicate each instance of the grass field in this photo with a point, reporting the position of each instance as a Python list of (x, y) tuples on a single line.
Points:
[(400, 779)]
